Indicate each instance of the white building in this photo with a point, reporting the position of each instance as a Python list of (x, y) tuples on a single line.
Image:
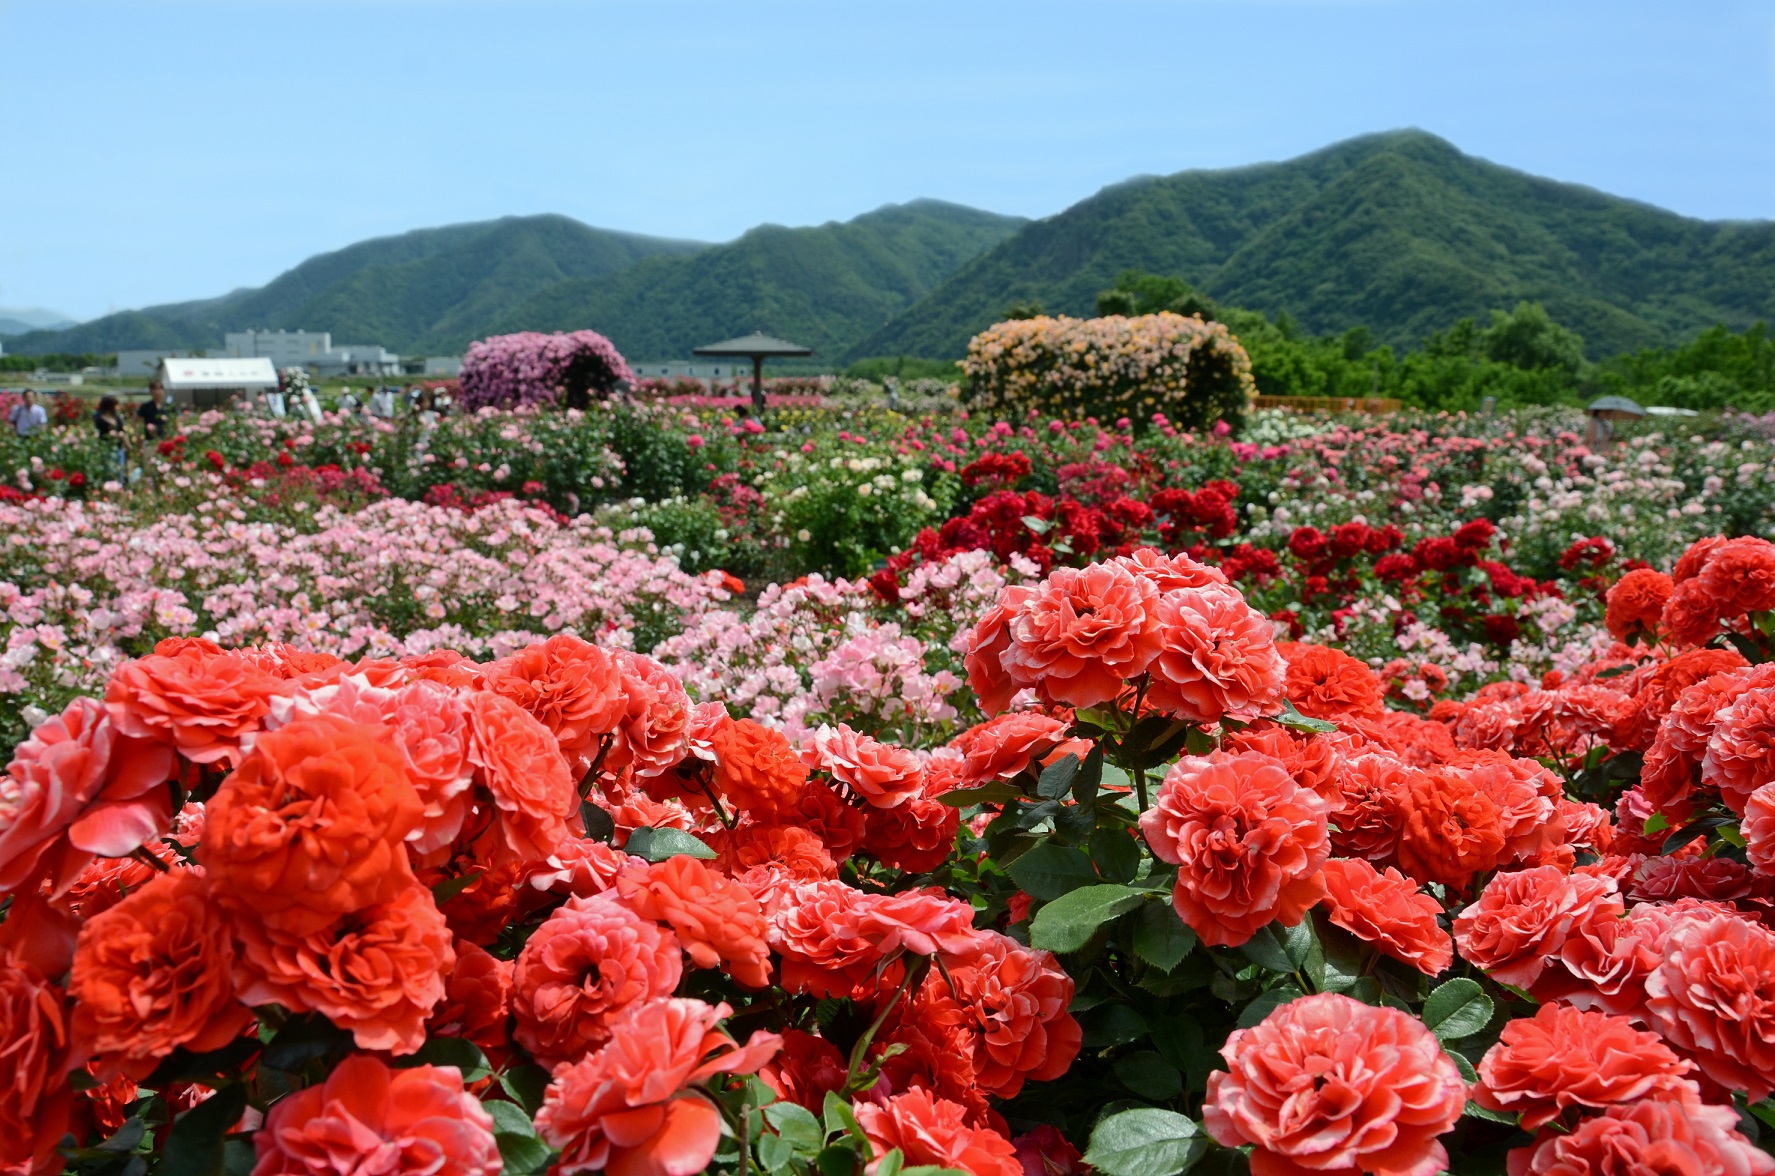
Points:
[(211, 383), (313, 351), (283, 348)]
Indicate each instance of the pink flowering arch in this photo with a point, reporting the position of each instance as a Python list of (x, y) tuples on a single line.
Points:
[(532, 368)]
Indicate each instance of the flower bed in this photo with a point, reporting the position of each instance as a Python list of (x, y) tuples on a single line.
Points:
[(1162, 893)]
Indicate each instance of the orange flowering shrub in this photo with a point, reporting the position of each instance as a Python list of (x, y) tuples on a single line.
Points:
[(424, 914)]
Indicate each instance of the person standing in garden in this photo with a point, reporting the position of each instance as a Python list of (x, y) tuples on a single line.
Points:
[(107, 421), (153, 413), (28, 416)]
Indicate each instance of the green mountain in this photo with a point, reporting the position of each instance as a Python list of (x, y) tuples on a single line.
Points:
[(823, 287), (431, 290), (1399, 232)]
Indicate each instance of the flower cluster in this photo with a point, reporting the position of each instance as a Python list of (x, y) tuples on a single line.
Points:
[(530, 368)]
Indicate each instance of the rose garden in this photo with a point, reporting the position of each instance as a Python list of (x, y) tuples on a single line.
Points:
[(1082, 772)]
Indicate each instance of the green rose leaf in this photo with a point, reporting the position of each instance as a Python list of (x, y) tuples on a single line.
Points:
[(656, 845), (1067, 923), (1145, 1141), (1457, 1009), (1049, 871)]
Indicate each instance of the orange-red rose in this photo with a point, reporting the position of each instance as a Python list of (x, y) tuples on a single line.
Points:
[(1562, 1057), (935, 1131), (718, 923), (1328, 1084), (523, 768), (153, 973), (368, 1118), (1083, 634), (194, 695), (633, 1108), (311, 826), (378, 971), (1247, 840), (1523, 918), (1388, 910), (587, 963), (1637, 601)]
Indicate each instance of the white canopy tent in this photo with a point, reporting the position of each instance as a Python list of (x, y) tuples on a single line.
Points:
[(209, 383)]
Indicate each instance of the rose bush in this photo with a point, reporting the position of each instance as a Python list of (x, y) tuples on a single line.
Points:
[(1175, 894)]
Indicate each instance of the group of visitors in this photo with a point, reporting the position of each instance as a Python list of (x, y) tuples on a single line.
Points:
[(29, 417), (385, 400)]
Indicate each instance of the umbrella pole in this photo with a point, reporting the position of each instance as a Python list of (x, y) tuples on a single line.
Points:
[(758, 386)]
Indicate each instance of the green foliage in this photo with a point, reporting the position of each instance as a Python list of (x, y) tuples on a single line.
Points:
[(55, 361), (903, 367), (1400, 232)]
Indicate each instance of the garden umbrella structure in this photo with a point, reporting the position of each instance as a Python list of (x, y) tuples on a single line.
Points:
[(757, 347), (1604, 409)]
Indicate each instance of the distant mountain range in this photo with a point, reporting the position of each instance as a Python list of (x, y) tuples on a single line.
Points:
[(1398, 232), (16, 320)]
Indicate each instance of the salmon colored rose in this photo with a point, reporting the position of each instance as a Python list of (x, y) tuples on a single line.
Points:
[(1084, 633), (935, 1131), (987, 644), (1740, 575), (1374, 797), (1740, 755), (1713, 997), (635, 1108), (366, 1118), (1329, 1084), (1652, 1137), (1562, 1057), (1247, 840), (1217, 658), (431, 727), (757, 769), (568, 685), (1692, 614), (36, 1053), (153, 973), (817, 931), (76, 788), (193, 694), (377, 972), (1452, 831), (654, 734), (1636, 602), (880, 774), (792, 849), (523, 768), (1330, 684), (477, 1000), (916, 837), (588, 962), (1388, 910), (311, 826), (1012, 744), (1523, 918), (717, 922), (1013, 1000)]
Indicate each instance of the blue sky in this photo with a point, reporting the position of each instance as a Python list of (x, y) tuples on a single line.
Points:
[(154, 151)]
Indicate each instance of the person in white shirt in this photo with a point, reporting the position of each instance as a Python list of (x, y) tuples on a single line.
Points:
[(382, 403), (28, 416)]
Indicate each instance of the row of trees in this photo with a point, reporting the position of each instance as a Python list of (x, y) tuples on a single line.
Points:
[(1519, 357)]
